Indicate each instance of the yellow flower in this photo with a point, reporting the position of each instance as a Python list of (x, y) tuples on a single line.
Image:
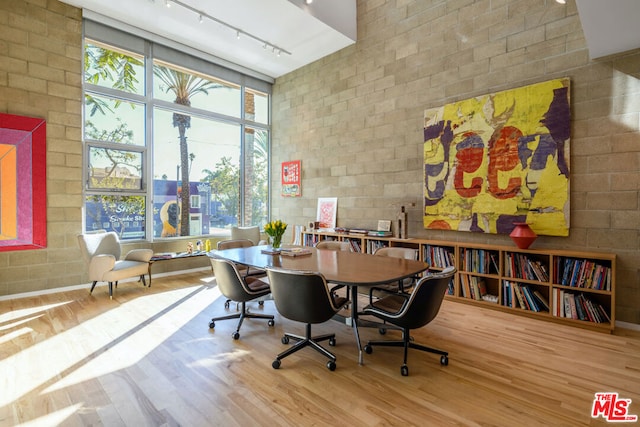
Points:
[(275, 228)]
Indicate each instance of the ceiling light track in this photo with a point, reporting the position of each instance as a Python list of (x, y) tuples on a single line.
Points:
[(239, 32)]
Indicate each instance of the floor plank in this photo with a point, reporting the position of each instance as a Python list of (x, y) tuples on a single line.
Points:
[(148, 357)]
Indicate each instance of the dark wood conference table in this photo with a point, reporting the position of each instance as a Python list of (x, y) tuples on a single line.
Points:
[(351, 269)]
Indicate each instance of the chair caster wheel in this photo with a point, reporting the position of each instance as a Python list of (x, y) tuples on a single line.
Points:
[(382, 331), (285, 340), (236, 335), (275, 364), (332, 342), (271, 322), (368, 349), (212, 324), (226, 304), (404, 370), (331, 365), (260, 303), (444, 360)]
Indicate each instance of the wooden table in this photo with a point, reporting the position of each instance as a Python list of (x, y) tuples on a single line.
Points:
[(166, 257), (344, 268)]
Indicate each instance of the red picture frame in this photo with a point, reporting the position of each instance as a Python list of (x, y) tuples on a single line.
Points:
[(23, 192)]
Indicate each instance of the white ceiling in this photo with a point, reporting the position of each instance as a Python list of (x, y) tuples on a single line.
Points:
[(308, 32), (610, 26)]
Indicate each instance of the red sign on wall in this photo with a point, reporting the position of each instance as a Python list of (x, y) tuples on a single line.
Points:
[(291, 179)]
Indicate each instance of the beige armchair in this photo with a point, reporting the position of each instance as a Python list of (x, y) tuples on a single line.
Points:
[(101, 252), (250, 233)]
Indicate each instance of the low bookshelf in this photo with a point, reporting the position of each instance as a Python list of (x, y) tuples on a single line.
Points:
[(569, 287)]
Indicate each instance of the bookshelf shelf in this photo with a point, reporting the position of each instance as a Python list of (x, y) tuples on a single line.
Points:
[(571, 287)]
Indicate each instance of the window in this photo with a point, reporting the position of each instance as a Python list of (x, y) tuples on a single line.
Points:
[(171, 150)]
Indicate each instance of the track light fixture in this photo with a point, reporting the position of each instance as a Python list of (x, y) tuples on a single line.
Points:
[(201, 15)]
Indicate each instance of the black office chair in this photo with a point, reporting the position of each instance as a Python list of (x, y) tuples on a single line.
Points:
[(244, 270), (304, 297), (412, 311), (240, 289)]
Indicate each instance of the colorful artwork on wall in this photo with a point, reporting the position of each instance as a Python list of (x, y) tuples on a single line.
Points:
[(23, 196), (498, 159), (291, 179), (326, 212)]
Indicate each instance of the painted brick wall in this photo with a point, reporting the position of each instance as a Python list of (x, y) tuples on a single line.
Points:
[(355, 118)]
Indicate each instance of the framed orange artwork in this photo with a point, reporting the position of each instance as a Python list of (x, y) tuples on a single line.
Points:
[(23, 195)]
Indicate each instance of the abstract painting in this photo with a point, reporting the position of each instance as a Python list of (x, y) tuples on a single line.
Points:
[(498, 159), (23, 203)]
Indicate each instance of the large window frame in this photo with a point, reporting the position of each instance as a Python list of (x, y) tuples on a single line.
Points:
[(130, 187)]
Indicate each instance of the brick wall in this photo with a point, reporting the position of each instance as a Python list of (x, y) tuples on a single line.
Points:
[(40, 76), (355, 118)]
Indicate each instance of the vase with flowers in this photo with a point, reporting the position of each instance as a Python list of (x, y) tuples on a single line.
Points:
[(275, 229)]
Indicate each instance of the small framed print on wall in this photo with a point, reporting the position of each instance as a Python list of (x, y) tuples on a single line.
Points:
[(291, 177), (326, 214)]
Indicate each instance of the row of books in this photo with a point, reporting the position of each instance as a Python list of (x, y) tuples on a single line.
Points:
[(577, 306), (472, 287), (521, 266), (515, 295), (355, 245), (438, 256), (480, 261), (372, 245), (583, 273)]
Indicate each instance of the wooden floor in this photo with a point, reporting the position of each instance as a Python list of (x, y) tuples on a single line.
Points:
[(148, 358)]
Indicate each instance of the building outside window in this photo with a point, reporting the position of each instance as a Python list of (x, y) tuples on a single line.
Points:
[(171, 150)]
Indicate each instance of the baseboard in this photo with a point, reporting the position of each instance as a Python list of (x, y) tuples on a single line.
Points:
[(87, 286), (627, 325)]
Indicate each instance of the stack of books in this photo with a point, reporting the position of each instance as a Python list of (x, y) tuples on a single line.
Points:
[(295, 251)]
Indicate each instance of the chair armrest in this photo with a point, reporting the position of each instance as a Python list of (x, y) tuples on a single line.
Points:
[(142, 255), (386, 291), (99, 265), (262, 242)]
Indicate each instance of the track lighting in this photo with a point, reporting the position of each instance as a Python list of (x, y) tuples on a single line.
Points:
[(202, 15)]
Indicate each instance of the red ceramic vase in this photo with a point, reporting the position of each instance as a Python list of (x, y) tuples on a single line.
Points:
[(523, 235)]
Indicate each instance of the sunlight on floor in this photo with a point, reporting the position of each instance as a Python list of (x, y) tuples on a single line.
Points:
[(148, 320), (53, 418)]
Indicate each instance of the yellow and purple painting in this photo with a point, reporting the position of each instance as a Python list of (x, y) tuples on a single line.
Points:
[(498, 159)]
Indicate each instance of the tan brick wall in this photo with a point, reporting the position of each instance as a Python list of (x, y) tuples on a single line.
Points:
[(355, 118), (40, 74)]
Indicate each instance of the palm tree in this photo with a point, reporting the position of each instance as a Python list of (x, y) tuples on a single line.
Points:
[(184, 86)]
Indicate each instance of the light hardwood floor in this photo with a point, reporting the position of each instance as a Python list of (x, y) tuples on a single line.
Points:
[(148, 358)]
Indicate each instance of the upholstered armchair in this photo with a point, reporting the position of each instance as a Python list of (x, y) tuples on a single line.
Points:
[(101, 252), (250, 233)]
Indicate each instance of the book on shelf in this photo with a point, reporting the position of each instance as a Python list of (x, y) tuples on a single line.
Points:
[(379, 233), (542, 300), (358, 231), (295, 252)]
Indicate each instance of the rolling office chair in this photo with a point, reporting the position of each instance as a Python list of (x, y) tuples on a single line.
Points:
[(240, 289), (244, 270), (304, 297), (398, 252), (412, 311), (333, 245)]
